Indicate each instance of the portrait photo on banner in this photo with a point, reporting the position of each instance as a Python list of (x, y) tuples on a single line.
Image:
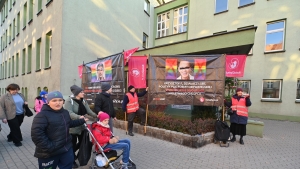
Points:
[(102, 71)]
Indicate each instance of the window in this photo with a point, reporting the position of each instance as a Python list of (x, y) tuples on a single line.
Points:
[(14, 29), (163, 24), (40, 5), (6, 37), (180, 20), (38, 54), (9, 67), (17, 64), (48, 49), (12, 66), (38, 91), (10, 4), (24, 15), (5, 69), (245, 2), (221, 5), (2, 15), (9, 34), (275, 36), (23, 60), (18, 23), (1, 72), (298, 89), (147, 6), (26, 93), (145, 40), (22, 90), (271, 90), (30, 11), (45, 89), (29, 59), (245, 85), (6, 8)]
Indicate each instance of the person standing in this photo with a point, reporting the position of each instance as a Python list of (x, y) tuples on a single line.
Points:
[(77, 107), (239, 104), (12, 112), (131, 106), (40, 100), (50, 134), (103, 103)]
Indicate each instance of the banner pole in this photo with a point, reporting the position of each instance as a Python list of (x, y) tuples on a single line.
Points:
[(145, 127), (126, 125), (223, 113)]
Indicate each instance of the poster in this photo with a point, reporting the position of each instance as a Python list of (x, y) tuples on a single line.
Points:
[(186, 80)]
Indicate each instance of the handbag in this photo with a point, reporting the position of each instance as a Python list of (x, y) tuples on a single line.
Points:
[(27, 111), (229, 111)]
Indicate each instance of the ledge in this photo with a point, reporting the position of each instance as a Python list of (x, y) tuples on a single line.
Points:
[(38, 70), (47, 68), (171, 136), (30, 21), (278, 51), (24, 27), (221, 12), (48, 3), (276, 101), (246, 5), (147, 13), (29, 72), (39, 12)]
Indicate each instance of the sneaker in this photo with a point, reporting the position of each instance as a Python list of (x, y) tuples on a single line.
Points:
[(124, 166), (75, 165), (18, 144)]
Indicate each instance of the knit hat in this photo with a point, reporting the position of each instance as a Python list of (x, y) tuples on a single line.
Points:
[(130, 87), (76, 90), (54, 94), (43, 93), (239, 90), (105, 86), (103, 116)]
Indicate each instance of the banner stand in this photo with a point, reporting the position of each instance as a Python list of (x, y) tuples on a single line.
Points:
[(126, 123), (145, 127), (223, 113)]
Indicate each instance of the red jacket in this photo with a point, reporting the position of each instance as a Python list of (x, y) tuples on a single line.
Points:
[(102, 134)]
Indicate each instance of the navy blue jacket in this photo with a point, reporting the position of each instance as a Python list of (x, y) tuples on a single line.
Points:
[(126, 100), (50, 132), (236, 118)]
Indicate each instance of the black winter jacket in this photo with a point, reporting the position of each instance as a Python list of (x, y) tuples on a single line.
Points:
[(104, 103), (50, 132)]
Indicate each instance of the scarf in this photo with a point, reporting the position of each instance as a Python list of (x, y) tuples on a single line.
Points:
[(81, 108)]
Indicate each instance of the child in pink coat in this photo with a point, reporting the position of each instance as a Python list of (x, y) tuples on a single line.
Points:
[(40, 101)]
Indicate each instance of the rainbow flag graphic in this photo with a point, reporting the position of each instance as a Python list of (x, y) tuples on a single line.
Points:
[(108, 70), (171, 69), (200, 69)]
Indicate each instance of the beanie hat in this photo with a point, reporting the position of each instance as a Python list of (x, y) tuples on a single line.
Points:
[(54, 94), (239, 90), (105, 86), (103, 116), (76, 90), (130, 87), (43, 93)]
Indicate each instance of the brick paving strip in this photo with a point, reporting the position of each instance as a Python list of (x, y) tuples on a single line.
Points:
[(279, 148)]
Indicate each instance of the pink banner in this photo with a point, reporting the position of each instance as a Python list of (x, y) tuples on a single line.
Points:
[(128, 53), (235, 65), (137, 71), (80, 70)]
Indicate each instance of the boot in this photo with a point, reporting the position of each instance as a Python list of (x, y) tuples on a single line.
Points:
[(241, 141), (233, 139)]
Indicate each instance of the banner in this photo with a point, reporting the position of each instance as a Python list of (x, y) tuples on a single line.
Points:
[(80, 70), (108, 70), (128, 53), (235, 65), (137, 71), (186, 80)]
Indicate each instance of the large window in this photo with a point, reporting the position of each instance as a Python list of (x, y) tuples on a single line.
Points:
[(29, 59), (298, 89), (221, 5), (245, 2), (245, 85), (17, 64), (180, 20), (147, 6), (40, 5), (38, 54), (14, 29), (18, 23), (9, 67), (275, 36), (9, 34), (163, 24), (12, 66), (25, 15), (23, 60), (145, 40), (48, 49), (30, 11), (272, 90)]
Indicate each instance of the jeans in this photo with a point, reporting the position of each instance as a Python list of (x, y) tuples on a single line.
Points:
[(63, 161), (124, 145)]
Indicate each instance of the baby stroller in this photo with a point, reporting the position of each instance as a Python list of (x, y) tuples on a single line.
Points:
[(222, 132), (104, 158)]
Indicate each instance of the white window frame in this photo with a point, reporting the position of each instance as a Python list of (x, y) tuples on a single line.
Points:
[(50, 50), (164, 21), (298, 90), (245, 4), (147, 6), (274, 31), (145, 40), (178, 25), (222, 10), (271, 82)]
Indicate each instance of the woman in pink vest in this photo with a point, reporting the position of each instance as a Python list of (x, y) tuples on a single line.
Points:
[(239, 104)]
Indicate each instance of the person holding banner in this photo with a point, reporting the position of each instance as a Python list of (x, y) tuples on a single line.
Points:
[(131, 106), (100, 72), (239, 103), (103, 103), (185, 70)]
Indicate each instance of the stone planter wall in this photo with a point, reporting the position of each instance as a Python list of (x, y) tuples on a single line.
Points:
[(172, 136)]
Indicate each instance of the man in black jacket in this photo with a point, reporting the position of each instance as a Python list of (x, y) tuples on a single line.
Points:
[(103, 103), (50, 134)]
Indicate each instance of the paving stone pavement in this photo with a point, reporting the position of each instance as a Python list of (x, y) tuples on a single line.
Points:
[(278, 149)]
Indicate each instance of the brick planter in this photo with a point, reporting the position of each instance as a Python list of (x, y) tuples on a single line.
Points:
[(172, 136)]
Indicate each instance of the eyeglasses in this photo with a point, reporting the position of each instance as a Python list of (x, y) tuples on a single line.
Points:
[(181, 68)]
